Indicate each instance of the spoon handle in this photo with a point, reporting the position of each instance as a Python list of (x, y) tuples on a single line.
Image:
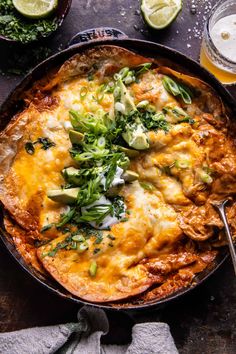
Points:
[(221, 209)]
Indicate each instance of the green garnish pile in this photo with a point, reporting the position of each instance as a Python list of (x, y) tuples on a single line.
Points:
[(103, 144), (16, 27)]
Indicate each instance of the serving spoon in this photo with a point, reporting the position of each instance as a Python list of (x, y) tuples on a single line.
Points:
[(220, 206)]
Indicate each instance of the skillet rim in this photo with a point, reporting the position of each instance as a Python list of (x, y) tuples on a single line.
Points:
[(142, 47)]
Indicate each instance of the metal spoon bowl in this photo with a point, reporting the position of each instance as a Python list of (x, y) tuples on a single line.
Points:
[(220, 206)]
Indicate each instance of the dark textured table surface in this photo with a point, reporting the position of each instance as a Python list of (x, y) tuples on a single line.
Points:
[(201, 322)]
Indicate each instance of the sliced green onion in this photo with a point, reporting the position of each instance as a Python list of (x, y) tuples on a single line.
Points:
[(143, 68), (129, 79), (73, 245), (96, 213), (84, 156), (100, 93), (83, 92), (182, 163), (110, 87), (78, 238), (177, 89), (93, 269), (148, 186), (116, 76), (170, 86), (158, 117), (123, 72), (206, 178), (82, 247), (142, 104), (117, 92), (124, 163), (185, 94), (120, 107), (179, 112), (66, 218), (101, 142), (187, 120)]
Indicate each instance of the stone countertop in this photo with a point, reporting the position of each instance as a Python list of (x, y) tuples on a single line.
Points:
[(203, 322)]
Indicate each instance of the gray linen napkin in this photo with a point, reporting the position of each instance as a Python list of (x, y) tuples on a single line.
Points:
[(84, 337)]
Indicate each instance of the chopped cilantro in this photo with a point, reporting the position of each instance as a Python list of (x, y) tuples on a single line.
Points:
[(16, 27), (99, 239), (45, 143), (29, 147), (111, 237)]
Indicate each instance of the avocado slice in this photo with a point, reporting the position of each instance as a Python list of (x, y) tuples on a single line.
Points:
[(135, 136), (129, 152), (130, 176), (71, 175), (64, 196), (76, 137), (135, 133), (126, 98)]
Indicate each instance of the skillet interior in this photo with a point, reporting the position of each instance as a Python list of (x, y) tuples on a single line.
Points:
[(13, 104)]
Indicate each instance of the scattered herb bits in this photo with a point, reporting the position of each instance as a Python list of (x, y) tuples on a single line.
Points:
[(29, 148), (45, 144)]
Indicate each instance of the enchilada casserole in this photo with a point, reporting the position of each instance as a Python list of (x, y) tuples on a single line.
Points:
[(108, 175)]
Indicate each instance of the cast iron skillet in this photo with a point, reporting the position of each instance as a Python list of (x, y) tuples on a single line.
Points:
[(82, 41)]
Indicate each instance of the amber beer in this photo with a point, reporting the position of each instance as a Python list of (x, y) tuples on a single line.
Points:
[(218, 51)]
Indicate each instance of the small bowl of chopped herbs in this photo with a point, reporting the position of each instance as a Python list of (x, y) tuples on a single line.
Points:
[(24, 21)]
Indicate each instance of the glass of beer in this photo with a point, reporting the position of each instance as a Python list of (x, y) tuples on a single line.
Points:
[(218, 51)]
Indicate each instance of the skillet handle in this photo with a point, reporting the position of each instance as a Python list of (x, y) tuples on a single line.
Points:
[(96, 34)]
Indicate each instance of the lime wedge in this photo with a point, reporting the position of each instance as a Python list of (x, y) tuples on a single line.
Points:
[(160, 13), (35, 9)]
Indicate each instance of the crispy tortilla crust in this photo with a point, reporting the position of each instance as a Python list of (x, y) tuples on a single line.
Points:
[(24, 243), (10, 144), (60, 267), (24, 226), (106, 59), (174, 278), (170, 272)]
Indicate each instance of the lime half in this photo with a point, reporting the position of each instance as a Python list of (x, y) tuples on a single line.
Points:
[(35, 9), (160, 13)]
